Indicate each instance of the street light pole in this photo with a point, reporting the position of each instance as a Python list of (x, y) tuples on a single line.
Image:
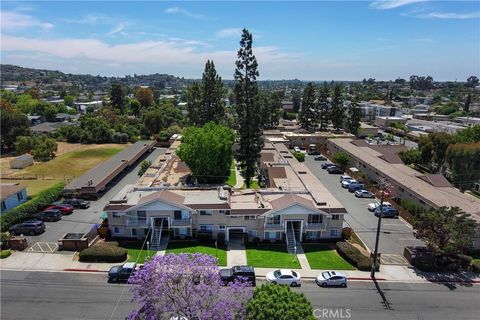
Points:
[(379, 224)]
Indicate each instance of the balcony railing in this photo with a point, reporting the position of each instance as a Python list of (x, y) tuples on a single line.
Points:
[(272, 226), (137, 223), (315, 226), (181, 222)]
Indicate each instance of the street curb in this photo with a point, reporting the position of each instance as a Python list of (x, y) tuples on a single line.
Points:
[(83, 270)]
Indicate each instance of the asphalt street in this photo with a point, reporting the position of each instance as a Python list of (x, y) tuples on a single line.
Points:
[(395, 234), (81, 220), (43, 295)]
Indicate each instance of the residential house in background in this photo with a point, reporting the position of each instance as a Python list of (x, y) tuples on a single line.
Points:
[(12, 195)]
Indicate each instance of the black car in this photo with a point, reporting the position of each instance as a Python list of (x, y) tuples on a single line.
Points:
[(244, 273), (320, 158), (31, 227), (122, 272), (314, 153), (334, 170), (49, 215), (77, 203), (327, 164)]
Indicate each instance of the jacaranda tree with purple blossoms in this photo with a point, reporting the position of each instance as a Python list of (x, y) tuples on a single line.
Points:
[(186, 286)]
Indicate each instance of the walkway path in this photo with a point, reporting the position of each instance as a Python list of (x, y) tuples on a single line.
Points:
[(302, 258), (239, 178), (236, 254)]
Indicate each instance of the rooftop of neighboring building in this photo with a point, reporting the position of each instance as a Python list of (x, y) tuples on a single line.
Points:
[(9, 189)]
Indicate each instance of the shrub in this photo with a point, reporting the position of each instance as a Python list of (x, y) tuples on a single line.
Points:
[(300, 156), (354, 256), (221, 238), (5, 254), (26, 210), (144, 167), (4, 237), (464, 260), (204, 237), (476, 266), (120, 137), (103, 252)]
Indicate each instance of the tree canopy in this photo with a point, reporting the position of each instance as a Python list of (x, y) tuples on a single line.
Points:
[(309, 114)]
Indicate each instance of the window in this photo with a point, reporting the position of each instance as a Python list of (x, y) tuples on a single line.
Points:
[(221, 227), (205, 212), (206, 227), (272, 235), (333, 232), (116, 214), (142, 216), (117, 230), (252, 233), (134, 232), (177, 215), (4, 207), (315, 218), (314, 234), (20, 196), (273, 220), (335, 217), (250, 217)]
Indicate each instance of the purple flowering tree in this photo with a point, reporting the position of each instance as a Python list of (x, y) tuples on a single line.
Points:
[(186, 286)]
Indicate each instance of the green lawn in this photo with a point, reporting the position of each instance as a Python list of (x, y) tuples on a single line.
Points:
[(189, 247), (271, 256), (232, 179), (135, 253), (253, 185), (325, 258)]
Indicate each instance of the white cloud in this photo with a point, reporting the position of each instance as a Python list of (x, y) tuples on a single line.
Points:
[(14, 21), (392, 4), (178, 10), (118, 29), (451, 15), (230, 32)]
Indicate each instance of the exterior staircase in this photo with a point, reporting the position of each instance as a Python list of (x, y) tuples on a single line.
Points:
[(156, 237), (291, 238)]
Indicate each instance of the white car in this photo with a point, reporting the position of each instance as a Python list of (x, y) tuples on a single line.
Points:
[(364, 194), (296, 149), (283, 276), (374, 205), (331, 278), (345, 178), (347, 182)]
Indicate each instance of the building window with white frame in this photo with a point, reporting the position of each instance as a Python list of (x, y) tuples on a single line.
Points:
[(334, 233), (335, 217), (206, 228), (252, 233), (205, 212), (118, 230)]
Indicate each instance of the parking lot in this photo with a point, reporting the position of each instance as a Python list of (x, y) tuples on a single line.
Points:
[(82, 220), (395, 233)]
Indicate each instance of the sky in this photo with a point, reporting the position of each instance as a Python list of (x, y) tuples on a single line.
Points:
[(311, 40)]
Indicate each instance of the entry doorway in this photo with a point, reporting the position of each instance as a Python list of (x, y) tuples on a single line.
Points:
[(235, 234), (297, 226)]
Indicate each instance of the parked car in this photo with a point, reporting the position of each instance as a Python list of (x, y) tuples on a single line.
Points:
[(296, 149), (64, 208), (314, 153), (49, 215), (335, 170), (320, 158), (374, 205), (387, 212), (331, 278), (77, 203), (355, 186), (31, 227), (362, 193), (283, 276), (122, 272), (345, 177), (347, 182), (327, 164), (243, 273)]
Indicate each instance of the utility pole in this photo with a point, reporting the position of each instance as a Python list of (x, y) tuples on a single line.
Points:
[(383, 186)]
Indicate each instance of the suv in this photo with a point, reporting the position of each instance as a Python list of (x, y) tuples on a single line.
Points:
[(77, 203), (31, 227), (387, 212), (245, 273), (334, 170), (122, 272), (49, 215), (352, 187), (327, 164)]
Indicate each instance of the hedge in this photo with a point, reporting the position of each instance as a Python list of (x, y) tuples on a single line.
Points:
[(300, 156), (25, 211), (5, 254), (104, 252), (354, 256), (476, 266)]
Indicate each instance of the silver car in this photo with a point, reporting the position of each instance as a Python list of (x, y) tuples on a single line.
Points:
[(288, 277), (331, 278)]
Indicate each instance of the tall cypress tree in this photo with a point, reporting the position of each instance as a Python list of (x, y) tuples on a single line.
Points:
[(195, 104), (117, 97), (354, 115), (249, 115), (337, 113), (324, 106), (309, 115), (213, 94)]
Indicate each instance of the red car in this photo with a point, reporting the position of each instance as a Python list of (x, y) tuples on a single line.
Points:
[(64, 209)]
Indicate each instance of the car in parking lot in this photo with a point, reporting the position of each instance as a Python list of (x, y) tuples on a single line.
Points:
[(284, 276), (347, 182), (77, 203), (31, 227), (327, 165), (320, 158), (344, 177), (313, 153), (49, 215), (374, 205), (362, 193), (64, 208), (355, 186), (331, 278), (242, 273), (122, 272), (387, 212), (335, 170)]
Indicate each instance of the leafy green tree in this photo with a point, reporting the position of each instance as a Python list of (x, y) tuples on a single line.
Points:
[(213, 95), (468, 135), (278, 302), (354, 115), (447, 229), (50, 112), (166, 134), (323, 107), (411, 156), (26, 104), (249, 117), (44, 148), (144, 97), (300, 156), (95, 130), (69, 100), (135, 106), (337, 112), (472, 81), (433, 149), (195, 108), (342, 159), (13, 124), (24, 144), (160, 118), (117, 97), (464, 161), (144, 167), (297, 101), (309, 114), (208, 152), (264, 103)]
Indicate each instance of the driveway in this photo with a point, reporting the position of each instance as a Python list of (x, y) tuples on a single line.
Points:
[(395, 233), (82, 220)]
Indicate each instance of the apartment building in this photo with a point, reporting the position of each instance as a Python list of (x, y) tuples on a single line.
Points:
[(294, 202)]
